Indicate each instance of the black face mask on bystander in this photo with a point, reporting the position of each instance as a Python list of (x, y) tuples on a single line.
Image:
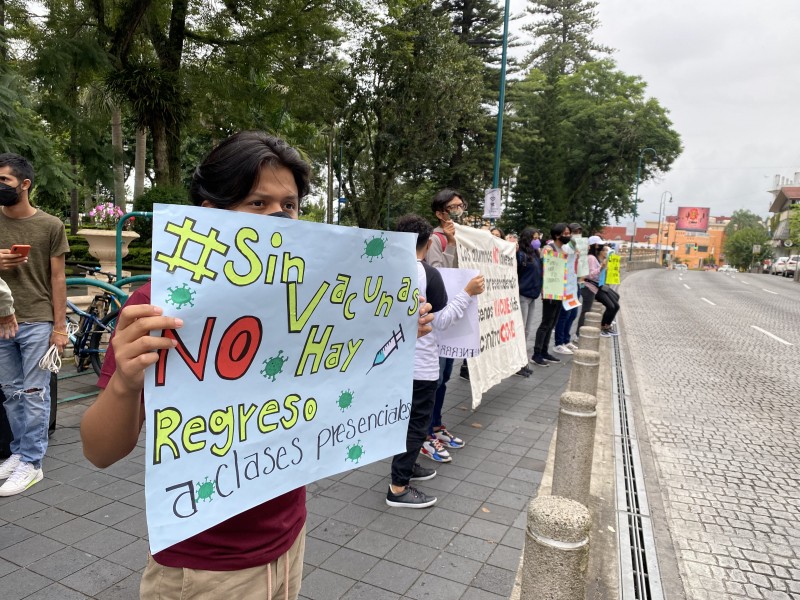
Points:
[(9, 196)]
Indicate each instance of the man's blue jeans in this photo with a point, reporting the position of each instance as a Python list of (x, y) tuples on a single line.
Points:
[(27, 390), (564, 325)]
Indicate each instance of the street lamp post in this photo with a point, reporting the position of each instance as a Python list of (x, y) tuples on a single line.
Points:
[(636, 198), (662, 212)]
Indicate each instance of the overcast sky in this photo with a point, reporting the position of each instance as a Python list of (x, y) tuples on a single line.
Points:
[(728, 72)]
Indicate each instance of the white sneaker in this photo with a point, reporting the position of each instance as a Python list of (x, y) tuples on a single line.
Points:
[(23, 477), (562, 350), (8, 466), (571, 346)]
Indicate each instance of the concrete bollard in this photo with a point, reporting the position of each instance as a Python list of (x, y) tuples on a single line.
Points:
[(589, 338), (597, 307), (572, 469), (585, 368), (593, 319), (556, 550)]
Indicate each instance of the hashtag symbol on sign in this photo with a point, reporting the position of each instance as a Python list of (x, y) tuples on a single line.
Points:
[(185, 234)]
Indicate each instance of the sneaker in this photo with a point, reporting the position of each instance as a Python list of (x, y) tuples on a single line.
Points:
[(562, 349), (447, 439), (464, 374), (522, 373), (538, 360), (420, 473), (9, 465), (606, 333), (527, 370), (551, 358), (23, 477), (411, 498), (572, 346), (433, 449)]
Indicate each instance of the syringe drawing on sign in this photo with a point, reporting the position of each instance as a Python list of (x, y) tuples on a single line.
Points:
[(389, 347)]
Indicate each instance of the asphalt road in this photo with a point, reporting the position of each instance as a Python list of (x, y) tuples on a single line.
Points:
[(716, 362)]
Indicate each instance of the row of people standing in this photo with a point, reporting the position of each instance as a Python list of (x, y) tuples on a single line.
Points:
[(559, 312)]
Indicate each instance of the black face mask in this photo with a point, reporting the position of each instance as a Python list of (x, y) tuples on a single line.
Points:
[(280, 213), (565, 239), (9, 196)]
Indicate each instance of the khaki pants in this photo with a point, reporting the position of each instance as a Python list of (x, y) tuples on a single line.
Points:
[(276, 581)]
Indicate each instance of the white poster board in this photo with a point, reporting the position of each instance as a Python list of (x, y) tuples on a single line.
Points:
[(492, 204), (462, 339), (295, 361), (502, 334)]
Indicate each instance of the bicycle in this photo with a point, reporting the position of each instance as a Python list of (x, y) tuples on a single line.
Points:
[(91, 334)]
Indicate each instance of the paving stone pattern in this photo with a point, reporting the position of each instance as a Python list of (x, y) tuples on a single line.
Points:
[(81, 532), (720, 401)]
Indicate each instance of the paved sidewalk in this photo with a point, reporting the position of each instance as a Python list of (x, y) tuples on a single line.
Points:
[(81, 532)]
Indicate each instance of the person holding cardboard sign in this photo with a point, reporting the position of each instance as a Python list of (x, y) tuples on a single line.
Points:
[(257, 553), (554, 261)]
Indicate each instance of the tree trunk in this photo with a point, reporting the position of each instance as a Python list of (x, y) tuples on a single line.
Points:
[(74, 212), (118, 156), (158, 129), (139, 163), (3, 49)]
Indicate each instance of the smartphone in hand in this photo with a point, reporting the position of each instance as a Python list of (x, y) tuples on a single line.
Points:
[(21, 249)]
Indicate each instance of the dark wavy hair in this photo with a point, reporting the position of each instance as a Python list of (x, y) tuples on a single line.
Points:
[(415, 224), (231, 170), (19, 166), (525, 239), (442, 199)]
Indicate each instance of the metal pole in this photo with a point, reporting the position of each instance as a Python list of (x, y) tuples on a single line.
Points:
[(636, 198), (502, 104), (662, 214)]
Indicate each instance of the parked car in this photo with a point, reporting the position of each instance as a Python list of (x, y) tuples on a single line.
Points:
[(779, 266), (791, 265), (681, 267), (726, 269)]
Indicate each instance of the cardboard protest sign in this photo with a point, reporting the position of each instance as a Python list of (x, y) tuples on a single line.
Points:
[(554, 276), (612, 276), (462, 339), (582, 246), (571, 297), (502, 334), (295, 361)]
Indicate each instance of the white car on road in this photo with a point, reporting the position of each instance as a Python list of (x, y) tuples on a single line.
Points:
[(779, 266)]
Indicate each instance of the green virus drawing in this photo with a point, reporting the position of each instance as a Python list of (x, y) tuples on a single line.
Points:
[(205, 489), (274, 365), (345, 400), (373, 248), (355, 452), (181, 296)]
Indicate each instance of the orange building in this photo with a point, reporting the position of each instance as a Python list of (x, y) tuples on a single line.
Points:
[(692, 248)]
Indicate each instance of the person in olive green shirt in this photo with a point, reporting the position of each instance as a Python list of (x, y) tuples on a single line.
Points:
[(38, 283)]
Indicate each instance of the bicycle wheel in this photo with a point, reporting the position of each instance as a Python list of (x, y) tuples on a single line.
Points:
[(101, 336)]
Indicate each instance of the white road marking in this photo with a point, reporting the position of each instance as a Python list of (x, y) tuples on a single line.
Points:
[(769, 291), (744, 282), (709, 301), (772, 335), (686, 286)]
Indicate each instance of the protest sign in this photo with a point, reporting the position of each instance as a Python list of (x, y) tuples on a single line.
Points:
[(582, 246), (502, 335), (612, 277), (295, 361), (554, 276), (571, 299), (462, 339)]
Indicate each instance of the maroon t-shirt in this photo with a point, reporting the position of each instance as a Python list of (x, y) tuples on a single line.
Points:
[(255, 537)]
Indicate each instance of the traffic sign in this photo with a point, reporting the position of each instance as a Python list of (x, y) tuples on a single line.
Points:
[(492, 204)]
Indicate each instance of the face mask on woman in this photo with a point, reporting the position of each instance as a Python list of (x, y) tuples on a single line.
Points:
[(565, 239), (536, 244)]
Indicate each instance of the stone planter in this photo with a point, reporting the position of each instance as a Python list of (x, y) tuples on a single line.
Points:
[(103, 246)]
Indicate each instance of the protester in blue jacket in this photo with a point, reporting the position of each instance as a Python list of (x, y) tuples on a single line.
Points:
[(529, 273)]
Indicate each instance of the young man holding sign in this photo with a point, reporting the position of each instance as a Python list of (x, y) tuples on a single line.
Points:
[(257, 553)]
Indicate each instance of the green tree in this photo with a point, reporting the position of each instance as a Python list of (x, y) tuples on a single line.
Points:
[(580, 165), (400, 123), (743, 219), (562, 32), (739, 247)]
